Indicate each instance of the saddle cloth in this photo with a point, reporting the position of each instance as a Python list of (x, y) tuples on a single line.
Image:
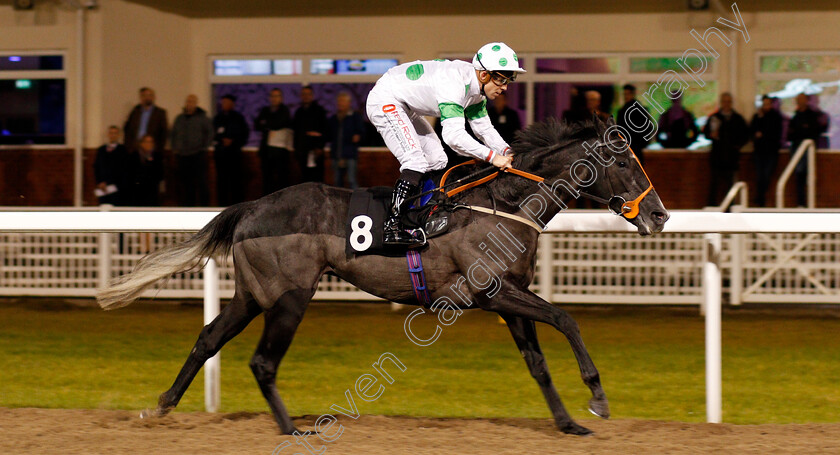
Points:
[(367, 213)]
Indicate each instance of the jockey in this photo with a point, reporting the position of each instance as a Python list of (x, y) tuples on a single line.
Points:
[(455, 91)]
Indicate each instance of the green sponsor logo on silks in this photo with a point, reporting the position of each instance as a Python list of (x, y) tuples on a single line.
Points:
[(466, 89), (477, 110), (450, 110), (502, 61), (440, 59), (414, 72), (497, 48), (515, 58)]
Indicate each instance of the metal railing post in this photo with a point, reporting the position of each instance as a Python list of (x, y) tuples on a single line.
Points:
[(212, 368), (736, 271), (812, 176), (712, 297), (544, 253), (809, 145), (104, 253)]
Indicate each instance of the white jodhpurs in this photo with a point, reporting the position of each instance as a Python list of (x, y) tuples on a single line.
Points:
[(408, 136)]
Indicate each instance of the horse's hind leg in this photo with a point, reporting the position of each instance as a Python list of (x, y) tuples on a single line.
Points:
[(233, 319), (525, 335), (281, 323)]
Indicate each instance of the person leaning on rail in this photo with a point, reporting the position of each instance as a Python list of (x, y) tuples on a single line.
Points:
[(455, 91)]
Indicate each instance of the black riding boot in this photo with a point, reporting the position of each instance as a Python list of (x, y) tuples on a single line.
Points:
[(395, 232)]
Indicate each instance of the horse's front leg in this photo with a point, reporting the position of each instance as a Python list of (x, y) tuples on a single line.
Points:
[(513, 301), (525, 335)]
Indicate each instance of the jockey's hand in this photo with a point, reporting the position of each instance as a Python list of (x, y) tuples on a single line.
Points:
[(502, 162)]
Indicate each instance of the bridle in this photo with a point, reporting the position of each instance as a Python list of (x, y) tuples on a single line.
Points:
[(617, 204)]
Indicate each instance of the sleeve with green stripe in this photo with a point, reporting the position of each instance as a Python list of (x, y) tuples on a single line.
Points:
[(453, 121), (483, 129)]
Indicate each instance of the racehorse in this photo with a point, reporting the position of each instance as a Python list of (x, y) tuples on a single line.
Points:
[(284, 242)]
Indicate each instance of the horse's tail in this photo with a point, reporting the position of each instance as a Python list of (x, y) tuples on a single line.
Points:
[(214, 239)]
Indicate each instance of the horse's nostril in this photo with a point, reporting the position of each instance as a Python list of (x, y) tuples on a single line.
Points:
[(659, 217)]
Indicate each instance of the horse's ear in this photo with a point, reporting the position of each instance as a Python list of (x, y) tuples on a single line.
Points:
[(610, 121)]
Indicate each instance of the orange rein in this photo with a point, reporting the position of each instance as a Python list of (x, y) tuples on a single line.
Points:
[(629, 210), (482, 180)]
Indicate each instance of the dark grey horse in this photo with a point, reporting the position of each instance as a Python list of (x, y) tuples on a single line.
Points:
[(283, 243)]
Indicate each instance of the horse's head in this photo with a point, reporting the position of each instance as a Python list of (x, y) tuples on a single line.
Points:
[(593, 161), (622, 182)]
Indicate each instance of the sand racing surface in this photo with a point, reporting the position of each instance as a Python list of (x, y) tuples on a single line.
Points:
[(44, 431)]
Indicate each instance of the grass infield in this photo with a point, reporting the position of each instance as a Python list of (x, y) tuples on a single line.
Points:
[(780, 364)]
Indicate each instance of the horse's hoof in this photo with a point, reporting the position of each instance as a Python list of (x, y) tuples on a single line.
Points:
[(600, 407), (575, 429), (290, 431), (151, 413)]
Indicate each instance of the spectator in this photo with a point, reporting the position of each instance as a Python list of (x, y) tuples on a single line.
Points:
[(231, 136), (766, 131), (192, 135), (638, 143), (146, 168), (146, 118), (275, 124), (824, 121), (310, 124), (728, 132), (807, 123), (109, 169), (576, 112), (505, 119), (677, 128), (593, 105), (346, 130)]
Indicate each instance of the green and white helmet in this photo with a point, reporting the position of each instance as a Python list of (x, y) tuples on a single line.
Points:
[(496, 57)]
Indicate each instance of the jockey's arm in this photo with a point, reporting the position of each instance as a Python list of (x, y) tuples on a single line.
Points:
[(484, 130), (455, 135)]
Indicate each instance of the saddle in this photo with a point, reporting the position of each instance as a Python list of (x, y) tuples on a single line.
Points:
[(369, 208)]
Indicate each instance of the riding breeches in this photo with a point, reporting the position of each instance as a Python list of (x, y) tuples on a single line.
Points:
[(408, 135)]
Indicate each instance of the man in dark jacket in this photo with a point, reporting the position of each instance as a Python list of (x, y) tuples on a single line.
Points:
[(310, 127), (638, 143), (677, 129), (109, 169), (505, 119), (807, 123), (728, 131), (231, 135), (346, 130), (192, 135), (766, 131), (275, 124), (146, 118)]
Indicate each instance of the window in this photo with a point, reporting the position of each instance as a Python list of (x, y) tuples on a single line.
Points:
[(559, 84), (252, 79), (34, 94), (786, 75), (577, 65), (346, 66), (256, 67)]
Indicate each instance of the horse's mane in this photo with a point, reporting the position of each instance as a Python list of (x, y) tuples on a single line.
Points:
[(549, 133)]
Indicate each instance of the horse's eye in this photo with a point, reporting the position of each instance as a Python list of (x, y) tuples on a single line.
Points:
[(622, 164)]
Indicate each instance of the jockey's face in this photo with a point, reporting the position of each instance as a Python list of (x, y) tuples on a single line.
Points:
[(497, 85)]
